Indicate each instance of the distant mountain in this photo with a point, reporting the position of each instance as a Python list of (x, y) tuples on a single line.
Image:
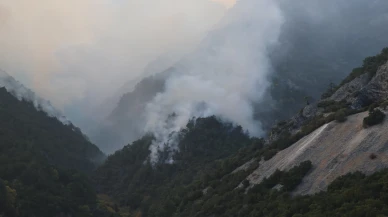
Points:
[(43, 159), (125, 123)]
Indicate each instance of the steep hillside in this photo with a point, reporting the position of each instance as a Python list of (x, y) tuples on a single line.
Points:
[(307, 154), (335, 149), (42, 162), (19, 91), (130, 178), (61, 145)]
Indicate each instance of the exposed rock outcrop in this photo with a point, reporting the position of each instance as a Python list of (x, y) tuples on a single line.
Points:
[(358, 93), (348, 90), (365, 90), (334, 149), (377, 89)]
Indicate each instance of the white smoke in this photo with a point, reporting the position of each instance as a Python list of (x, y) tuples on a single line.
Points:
[(84, 50), (223, 78), (22, 93), (78, 53)]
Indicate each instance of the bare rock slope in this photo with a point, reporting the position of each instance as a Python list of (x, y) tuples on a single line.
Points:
[(360, 92), (334, 149)]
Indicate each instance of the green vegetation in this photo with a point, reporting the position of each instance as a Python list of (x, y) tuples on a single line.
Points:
[(211, 195), (384, 105), (341, 115), (202, 182), (375, 117), (39, 157), (209, 151), (351, 195), (370, 67), (332, 106), (28, 130)]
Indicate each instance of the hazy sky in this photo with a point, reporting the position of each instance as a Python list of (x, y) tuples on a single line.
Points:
[(227, 3), (76, 50)]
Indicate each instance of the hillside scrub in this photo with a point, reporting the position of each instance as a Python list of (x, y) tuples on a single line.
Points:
[(341, 115), (376, 116), (370, 66), (332, 106)]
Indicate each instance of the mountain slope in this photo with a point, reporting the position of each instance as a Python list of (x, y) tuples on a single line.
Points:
[(125, 123), (62, 145), (335, 149), (22, 93), (129, 176), (43, 161), (339, 147), (304, 155)]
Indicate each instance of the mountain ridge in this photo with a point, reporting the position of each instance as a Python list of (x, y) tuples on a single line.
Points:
[(22, 93)]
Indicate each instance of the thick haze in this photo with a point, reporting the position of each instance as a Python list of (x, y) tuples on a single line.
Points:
[(83, 50), (83, 55)]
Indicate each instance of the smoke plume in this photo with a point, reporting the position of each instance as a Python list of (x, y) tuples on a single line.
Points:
[(83, 55), (223, 77)]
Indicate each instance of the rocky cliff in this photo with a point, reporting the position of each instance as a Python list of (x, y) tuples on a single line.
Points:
[(335, 148), (360, 92)]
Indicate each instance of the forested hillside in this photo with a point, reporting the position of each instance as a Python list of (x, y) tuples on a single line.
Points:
[(129, 176), (60, 144), (42, 164)]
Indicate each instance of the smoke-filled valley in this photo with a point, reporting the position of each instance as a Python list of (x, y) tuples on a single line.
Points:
[(197, 108), (242, 62), (273, 59)]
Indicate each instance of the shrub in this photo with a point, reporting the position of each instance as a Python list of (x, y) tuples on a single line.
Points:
[(372, 156), (269, 154), (332, 106), (384, 105), (340, 115), (373, 106), (375, 117), (246, 183), (370, 66)]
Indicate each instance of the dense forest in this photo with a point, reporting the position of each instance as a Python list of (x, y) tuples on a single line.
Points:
[(43, 164), (129, 176)]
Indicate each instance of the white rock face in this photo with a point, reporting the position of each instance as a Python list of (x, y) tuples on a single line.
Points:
[(22, 93), (334, 149)]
